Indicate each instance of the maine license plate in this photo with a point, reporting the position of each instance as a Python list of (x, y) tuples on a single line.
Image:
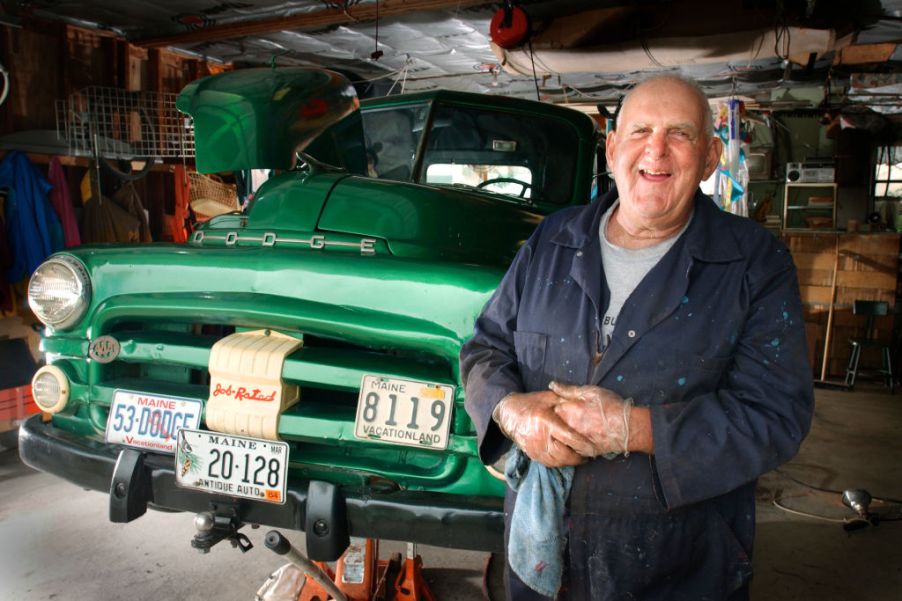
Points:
[(150, 421), (404, 412), (232, 465)]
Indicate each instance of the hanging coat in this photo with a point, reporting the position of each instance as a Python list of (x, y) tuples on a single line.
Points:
[(178, 220), (33, 228), (103, 220), (7, 303), (712, 341), (127, 198), (62, 203)]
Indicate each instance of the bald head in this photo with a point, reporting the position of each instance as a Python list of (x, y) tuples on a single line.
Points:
[(689, 85), (661, 150)]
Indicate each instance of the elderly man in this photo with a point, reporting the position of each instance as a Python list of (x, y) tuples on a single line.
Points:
[(648, 352)]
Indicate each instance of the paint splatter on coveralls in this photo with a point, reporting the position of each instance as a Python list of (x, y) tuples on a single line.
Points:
[(712, 340)]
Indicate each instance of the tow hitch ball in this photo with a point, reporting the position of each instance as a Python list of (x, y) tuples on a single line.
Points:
[(212, 528)]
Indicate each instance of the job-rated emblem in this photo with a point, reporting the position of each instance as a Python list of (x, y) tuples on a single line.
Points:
[(104, 349)]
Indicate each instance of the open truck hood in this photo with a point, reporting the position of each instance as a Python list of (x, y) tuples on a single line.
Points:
[(261, 118)]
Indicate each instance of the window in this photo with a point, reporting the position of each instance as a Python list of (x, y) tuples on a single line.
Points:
[(506, 179), (392, 136), (888, 173)]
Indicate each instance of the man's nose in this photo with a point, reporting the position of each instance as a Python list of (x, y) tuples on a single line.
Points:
[(656, 144)]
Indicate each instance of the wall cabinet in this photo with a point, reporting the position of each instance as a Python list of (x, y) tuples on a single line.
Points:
[(809, 206)]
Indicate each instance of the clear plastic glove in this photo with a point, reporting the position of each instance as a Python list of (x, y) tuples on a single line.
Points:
[(530, 421), (600, 415)]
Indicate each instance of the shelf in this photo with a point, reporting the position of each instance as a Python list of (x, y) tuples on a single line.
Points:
[(66, 160), (828, 210), (812, 230)]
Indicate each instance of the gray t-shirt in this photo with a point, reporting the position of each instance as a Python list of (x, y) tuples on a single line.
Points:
[(624, 268)]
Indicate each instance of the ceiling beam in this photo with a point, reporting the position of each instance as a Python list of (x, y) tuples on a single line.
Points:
[(308, 21), (864, 53)]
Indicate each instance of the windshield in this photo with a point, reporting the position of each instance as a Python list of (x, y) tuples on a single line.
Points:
[(526, 156), (530, 157)]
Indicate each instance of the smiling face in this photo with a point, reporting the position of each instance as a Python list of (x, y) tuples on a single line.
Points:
[(658, 154)]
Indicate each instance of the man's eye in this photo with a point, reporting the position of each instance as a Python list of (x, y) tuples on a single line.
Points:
[(680, 133), (640, 131)]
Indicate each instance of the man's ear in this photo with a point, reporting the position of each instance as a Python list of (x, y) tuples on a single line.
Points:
[(609, 144), (715, 148)]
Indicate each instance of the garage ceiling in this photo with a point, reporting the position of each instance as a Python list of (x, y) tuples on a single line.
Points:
[(777, 54)]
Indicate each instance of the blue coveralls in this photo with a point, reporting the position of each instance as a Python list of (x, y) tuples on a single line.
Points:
[(712, 340)]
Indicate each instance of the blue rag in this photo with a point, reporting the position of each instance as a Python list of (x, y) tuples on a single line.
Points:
[(535, 546)]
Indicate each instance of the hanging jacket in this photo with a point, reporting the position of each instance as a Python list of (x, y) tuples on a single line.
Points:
[(7, 304), (127, 198), (62, 203), (104, 221), (33, 228), (711, 340), (178, 220)]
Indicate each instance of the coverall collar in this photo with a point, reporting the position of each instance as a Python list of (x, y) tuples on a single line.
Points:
[(704, 241)]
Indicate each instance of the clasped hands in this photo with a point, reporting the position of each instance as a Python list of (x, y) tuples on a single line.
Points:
[(566, 425)]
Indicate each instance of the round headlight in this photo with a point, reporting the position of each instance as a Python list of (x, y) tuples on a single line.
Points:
[(50, 389), (59, 291)]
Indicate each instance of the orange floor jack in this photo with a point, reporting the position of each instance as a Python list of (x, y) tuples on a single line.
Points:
[(359, 573)]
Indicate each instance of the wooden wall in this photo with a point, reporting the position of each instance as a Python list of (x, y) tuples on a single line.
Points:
[(863, 267), (48, 61)]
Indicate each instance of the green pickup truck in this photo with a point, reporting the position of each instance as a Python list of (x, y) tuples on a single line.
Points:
[(295, 364)]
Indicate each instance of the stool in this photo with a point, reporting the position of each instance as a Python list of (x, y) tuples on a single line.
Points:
[(871, 310)]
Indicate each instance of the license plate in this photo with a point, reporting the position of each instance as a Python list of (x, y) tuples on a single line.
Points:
[(150, 421), (404, 412), (236, 466)]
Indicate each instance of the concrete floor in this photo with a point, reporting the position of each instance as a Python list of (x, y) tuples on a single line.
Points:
[(56, 542)]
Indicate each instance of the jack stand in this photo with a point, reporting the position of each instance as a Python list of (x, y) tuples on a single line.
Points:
[(411, 586), (359, 573)]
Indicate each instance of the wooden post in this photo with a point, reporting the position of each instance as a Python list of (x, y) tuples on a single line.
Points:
[(830, 310)]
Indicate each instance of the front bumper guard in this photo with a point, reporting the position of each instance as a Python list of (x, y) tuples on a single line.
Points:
[(135, 479)]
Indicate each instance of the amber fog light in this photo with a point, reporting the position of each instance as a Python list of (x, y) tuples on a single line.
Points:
[(60, 291), (50, 389)]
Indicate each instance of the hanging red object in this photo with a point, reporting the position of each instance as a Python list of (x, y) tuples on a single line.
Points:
[(509, 27)]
